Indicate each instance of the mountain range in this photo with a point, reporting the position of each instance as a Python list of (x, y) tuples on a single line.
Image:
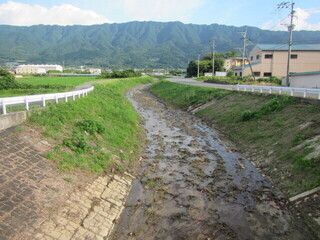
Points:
[(133, 44)]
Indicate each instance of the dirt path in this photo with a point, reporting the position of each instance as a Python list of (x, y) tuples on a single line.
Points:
[(192, 187)]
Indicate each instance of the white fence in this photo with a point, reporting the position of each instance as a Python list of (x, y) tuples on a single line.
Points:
[(27, 100), (303, 92)]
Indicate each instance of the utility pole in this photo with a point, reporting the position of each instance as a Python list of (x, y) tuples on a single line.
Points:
[(198, 65), (290, 29), (244, 38), (213, 49)]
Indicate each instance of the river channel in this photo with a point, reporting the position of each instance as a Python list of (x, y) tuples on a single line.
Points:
[(191, 186)]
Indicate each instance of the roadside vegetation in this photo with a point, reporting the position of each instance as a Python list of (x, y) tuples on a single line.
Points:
[(98, 133), (271, 81), (279, 133)]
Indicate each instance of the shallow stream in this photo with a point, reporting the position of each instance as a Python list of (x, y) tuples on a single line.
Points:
[(190, 186)]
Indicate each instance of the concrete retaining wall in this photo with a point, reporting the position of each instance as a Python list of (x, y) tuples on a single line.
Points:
[(12, 119), (305, 81)]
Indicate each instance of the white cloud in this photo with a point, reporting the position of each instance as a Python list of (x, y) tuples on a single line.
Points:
[(14, 13), (161, 10), (300, 21)]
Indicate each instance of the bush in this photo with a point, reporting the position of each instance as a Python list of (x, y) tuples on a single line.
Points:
[(247, 115), (7, 80), (76, 143), (128, 73), (230, 73), (272, 79), (91, 126)]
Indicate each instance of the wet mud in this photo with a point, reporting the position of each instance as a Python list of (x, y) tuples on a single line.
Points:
[(190, 186)]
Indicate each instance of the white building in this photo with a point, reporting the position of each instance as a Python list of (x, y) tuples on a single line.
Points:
[(37, 68), (95, 70)]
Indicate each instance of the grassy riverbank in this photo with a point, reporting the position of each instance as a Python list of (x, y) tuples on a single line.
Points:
[(98, 132), (280, 134)]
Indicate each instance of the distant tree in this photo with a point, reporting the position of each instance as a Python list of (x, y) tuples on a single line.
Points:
[(230, 73), (7, 80), (205, 65), (177, 72), (230, 54)]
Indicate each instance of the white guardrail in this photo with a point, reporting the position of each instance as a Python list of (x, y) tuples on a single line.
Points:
[(305, 92), (26, 100)]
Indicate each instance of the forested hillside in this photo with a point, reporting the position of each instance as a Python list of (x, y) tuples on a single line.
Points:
[(133, 44)]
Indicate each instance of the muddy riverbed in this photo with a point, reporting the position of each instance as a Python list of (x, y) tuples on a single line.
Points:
[(190, 186)]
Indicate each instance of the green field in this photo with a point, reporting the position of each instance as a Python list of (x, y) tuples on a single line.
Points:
[(44, 85), (66, 81), (99, 132)]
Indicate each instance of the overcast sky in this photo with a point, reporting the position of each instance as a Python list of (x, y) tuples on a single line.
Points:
[(259, 13)]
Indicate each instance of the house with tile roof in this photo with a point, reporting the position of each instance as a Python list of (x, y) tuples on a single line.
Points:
[(272, 59)]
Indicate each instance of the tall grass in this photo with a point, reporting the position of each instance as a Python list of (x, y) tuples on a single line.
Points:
[(70, 125)]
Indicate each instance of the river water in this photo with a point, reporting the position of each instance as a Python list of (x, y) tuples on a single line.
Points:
[(190, 186)]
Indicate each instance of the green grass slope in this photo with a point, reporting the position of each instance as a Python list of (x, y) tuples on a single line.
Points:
[(281, 134), (98, 132)]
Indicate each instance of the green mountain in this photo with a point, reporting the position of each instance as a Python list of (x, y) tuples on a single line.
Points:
[(133, 44)]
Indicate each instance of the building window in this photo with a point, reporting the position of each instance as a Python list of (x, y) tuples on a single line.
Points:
[(251, 58), (258, 56), (294, 56), (240, 74), (267, 74), (256, 74), (268, 56), (236, 74)]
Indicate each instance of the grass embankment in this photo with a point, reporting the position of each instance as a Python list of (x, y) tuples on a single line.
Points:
[(98, 132), (281, 134), (42, 85)]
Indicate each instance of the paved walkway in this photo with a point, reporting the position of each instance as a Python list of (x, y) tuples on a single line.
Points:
[(37, 202)]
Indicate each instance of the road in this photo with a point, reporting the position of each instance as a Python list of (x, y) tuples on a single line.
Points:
[(190, 81)]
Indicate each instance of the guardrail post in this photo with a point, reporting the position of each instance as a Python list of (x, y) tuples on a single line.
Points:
[(292, 92), (238, 88), (270, 90), (26, 103), (252, 89), (261, 90), (245, 89), (4, 109), (305, 93), (43, 101), (73, 96), (319, 96), (56, 99), (66, 97)]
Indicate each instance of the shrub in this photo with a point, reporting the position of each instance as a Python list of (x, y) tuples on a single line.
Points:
[(91, 126), (247, 115), (128, 73), (76, 143), (230, 74), (7, 80)]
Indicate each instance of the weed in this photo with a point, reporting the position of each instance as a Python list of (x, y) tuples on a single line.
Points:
[(68, 179), (247, 115), (77, 143), (91, 126)]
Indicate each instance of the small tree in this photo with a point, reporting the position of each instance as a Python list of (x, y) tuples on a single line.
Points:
[(7, 80), (230, 74)]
